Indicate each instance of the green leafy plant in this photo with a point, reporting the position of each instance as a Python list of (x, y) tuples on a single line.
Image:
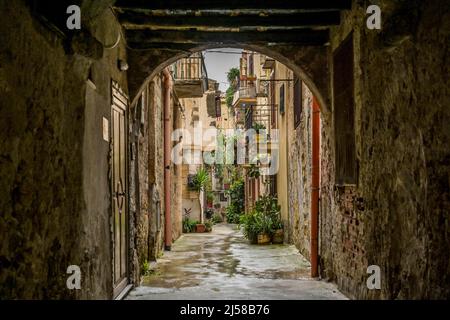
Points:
[(216, 218), (229, 96), (250, 224), (236, 194), (145, 268), (263, 219), (208, 226), (210, 196), (258, 126), (200, 180), (232, 76), (253, 171), (233, 213), (189, 225)]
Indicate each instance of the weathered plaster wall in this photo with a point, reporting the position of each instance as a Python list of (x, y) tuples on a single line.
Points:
[(282, 72), (55, 208), (149, 176), (397, 214)]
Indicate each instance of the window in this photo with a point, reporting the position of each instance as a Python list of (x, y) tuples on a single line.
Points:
[(250, 65), (273, 185), (298, 98), (273, 116), (190, 182), (282, 99), (344, 113)]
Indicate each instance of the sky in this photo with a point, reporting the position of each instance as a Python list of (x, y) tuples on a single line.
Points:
[(218, 64)]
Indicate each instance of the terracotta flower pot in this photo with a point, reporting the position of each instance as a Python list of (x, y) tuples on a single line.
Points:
[(263, 238), (278, 237), (199, 228)]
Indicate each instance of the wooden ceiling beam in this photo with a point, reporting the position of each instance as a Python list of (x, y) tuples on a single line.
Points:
[(297, 37), (236, 4), (131, 19)]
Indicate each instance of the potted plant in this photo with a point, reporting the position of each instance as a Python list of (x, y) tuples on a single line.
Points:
[(278, 234), (200, 227), (250, 226), (208, 226), (189, 225), (267, 221), (209, 198), (265, 229), (200, 184)]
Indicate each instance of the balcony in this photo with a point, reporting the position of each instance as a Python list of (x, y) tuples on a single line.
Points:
[(190, 77), (244, 97)]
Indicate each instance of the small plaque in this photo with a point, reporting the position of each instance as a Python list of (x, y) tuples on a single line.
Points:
[(105, 129)]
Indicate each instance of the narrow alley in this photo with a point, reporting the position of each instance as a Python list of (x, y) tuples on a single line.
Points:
[(222, 265), (224, 149)]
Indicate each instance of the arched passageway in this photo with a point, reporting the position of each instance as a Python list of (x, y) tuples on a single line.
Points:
[(384, 140), (265, 94)]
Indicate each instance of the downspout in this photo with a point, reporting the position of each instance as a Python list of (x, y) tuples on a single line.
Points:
[(167, 176), (315, 187)]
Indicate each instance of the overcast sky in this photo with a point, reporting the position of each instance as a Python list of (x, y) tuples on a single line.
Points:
[(218, 64)]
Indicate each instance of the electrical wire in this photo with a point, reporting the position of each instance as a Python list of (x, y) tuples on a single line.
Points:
[(222, 52)]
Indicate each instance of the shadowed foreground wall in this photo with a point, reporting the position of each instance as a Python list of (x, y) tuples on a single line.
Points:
[(397, 215), (53, 161)]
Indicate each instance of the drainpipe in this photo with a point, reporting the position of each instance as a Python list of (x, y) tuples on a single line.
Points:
[(167, 176), (315, 187)]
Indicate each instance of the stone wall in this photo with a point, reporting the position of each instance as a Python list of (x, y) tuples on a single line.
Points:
[(55, 208), (148, 161), (299, 175), (282, 120), (396, 216)]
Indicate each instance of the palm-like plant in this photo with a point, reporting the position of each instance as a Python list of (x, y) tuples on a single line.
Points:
[(201, 179)]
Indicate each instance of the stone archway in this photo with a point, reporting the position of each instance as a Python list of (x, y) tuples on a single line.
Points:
[(309, 63)]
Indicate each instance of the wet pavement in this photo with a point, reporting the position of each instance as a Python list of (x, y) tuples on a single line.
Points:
[(222, 265)]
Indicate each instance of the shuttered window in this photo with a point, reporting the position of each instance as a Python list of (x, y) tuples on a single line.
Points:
[(282, 99), (297, 101), (344, 113)]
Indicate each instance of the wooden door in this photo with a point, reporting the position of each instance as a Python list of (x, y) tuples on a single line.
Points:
[(119, 189)]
